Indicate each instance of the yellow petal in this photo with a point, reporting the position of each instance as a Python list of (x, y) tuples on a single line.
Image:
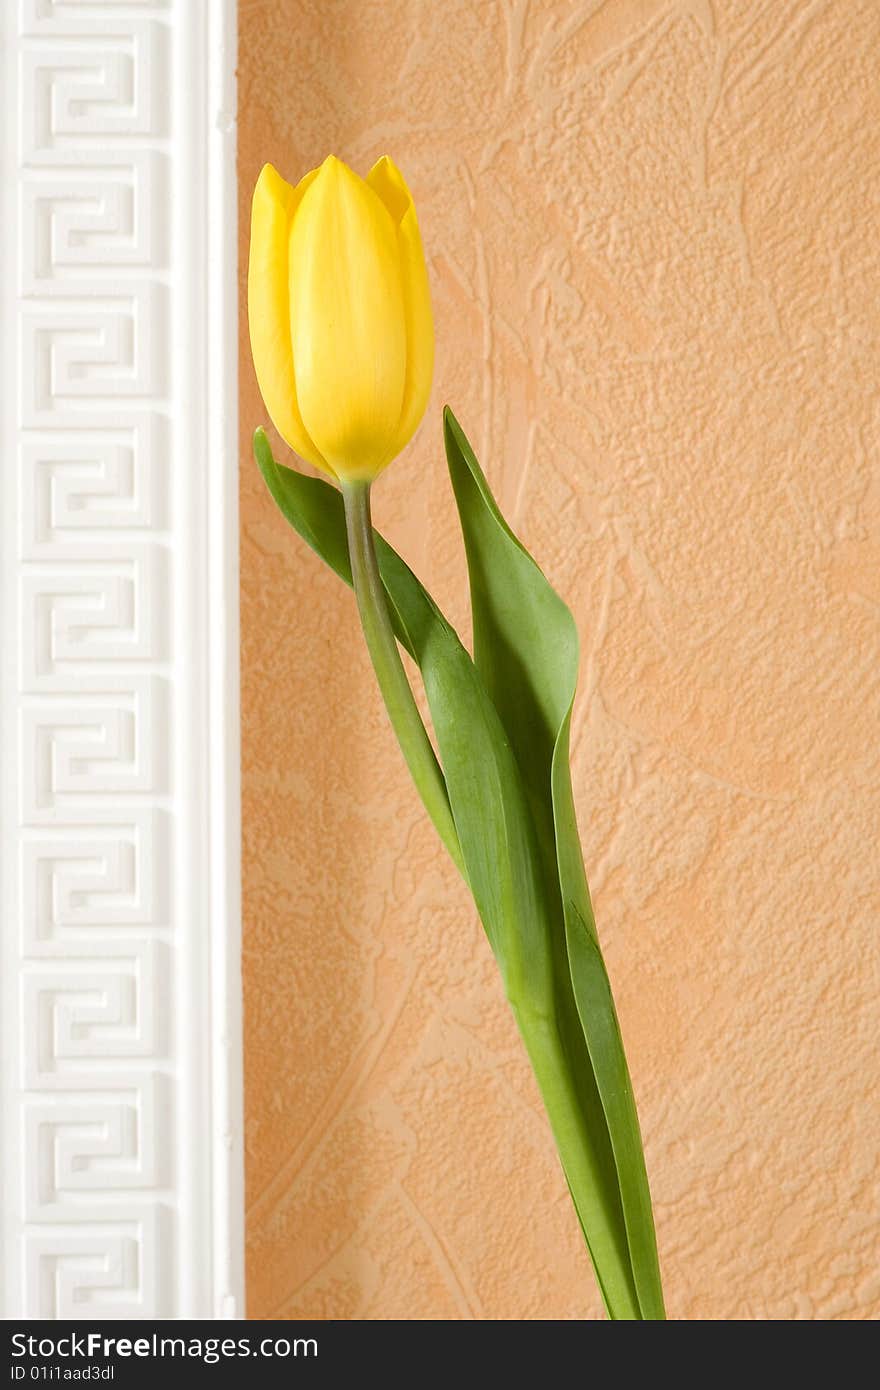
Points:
[(274, 205), (347, 321), (391, 187)]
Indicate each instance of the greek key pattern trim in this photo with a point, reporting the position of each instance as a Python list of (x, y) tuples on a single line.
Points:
[(102, 696)]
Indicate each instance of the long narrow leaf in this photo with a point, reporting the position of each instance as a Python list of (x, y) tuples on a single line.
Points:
[(526, 650)]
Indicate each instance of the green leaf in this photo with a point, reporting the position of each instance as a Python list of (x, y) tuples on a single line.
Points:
[(526, 650), (484, 784), (517, 900)]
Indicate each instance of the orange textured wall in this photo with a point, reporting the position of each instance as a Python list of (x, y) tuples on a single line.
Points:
[(653, 248)]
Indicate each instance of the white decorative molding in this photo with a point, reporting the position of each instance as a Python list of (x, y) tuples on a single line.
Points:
[(119, 837)]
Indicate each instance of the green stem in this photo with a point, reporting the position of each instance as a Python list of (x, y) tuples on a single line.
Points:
[(393, 683)]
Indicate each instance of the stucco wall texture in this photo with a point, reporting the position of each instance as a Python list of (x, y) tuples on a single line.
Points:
[(652, 240)]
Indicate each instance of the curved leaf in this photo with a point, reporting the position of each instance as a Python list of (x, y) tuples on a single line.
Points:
[(484, 784)]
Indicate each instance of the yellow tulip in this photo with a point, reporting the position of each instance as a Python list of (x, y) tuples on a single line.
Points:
[(340, 314)]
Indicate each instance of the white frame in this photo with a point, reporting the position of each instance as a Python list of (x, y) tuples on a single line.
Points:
[(119, 799)]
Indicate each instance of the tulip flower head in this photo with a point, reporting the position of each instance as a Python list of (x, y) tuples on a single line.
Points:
[(340, 314)]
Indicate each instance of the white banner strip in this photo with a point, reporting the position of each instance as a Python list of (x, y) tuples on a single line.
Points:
[(119, 836)]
